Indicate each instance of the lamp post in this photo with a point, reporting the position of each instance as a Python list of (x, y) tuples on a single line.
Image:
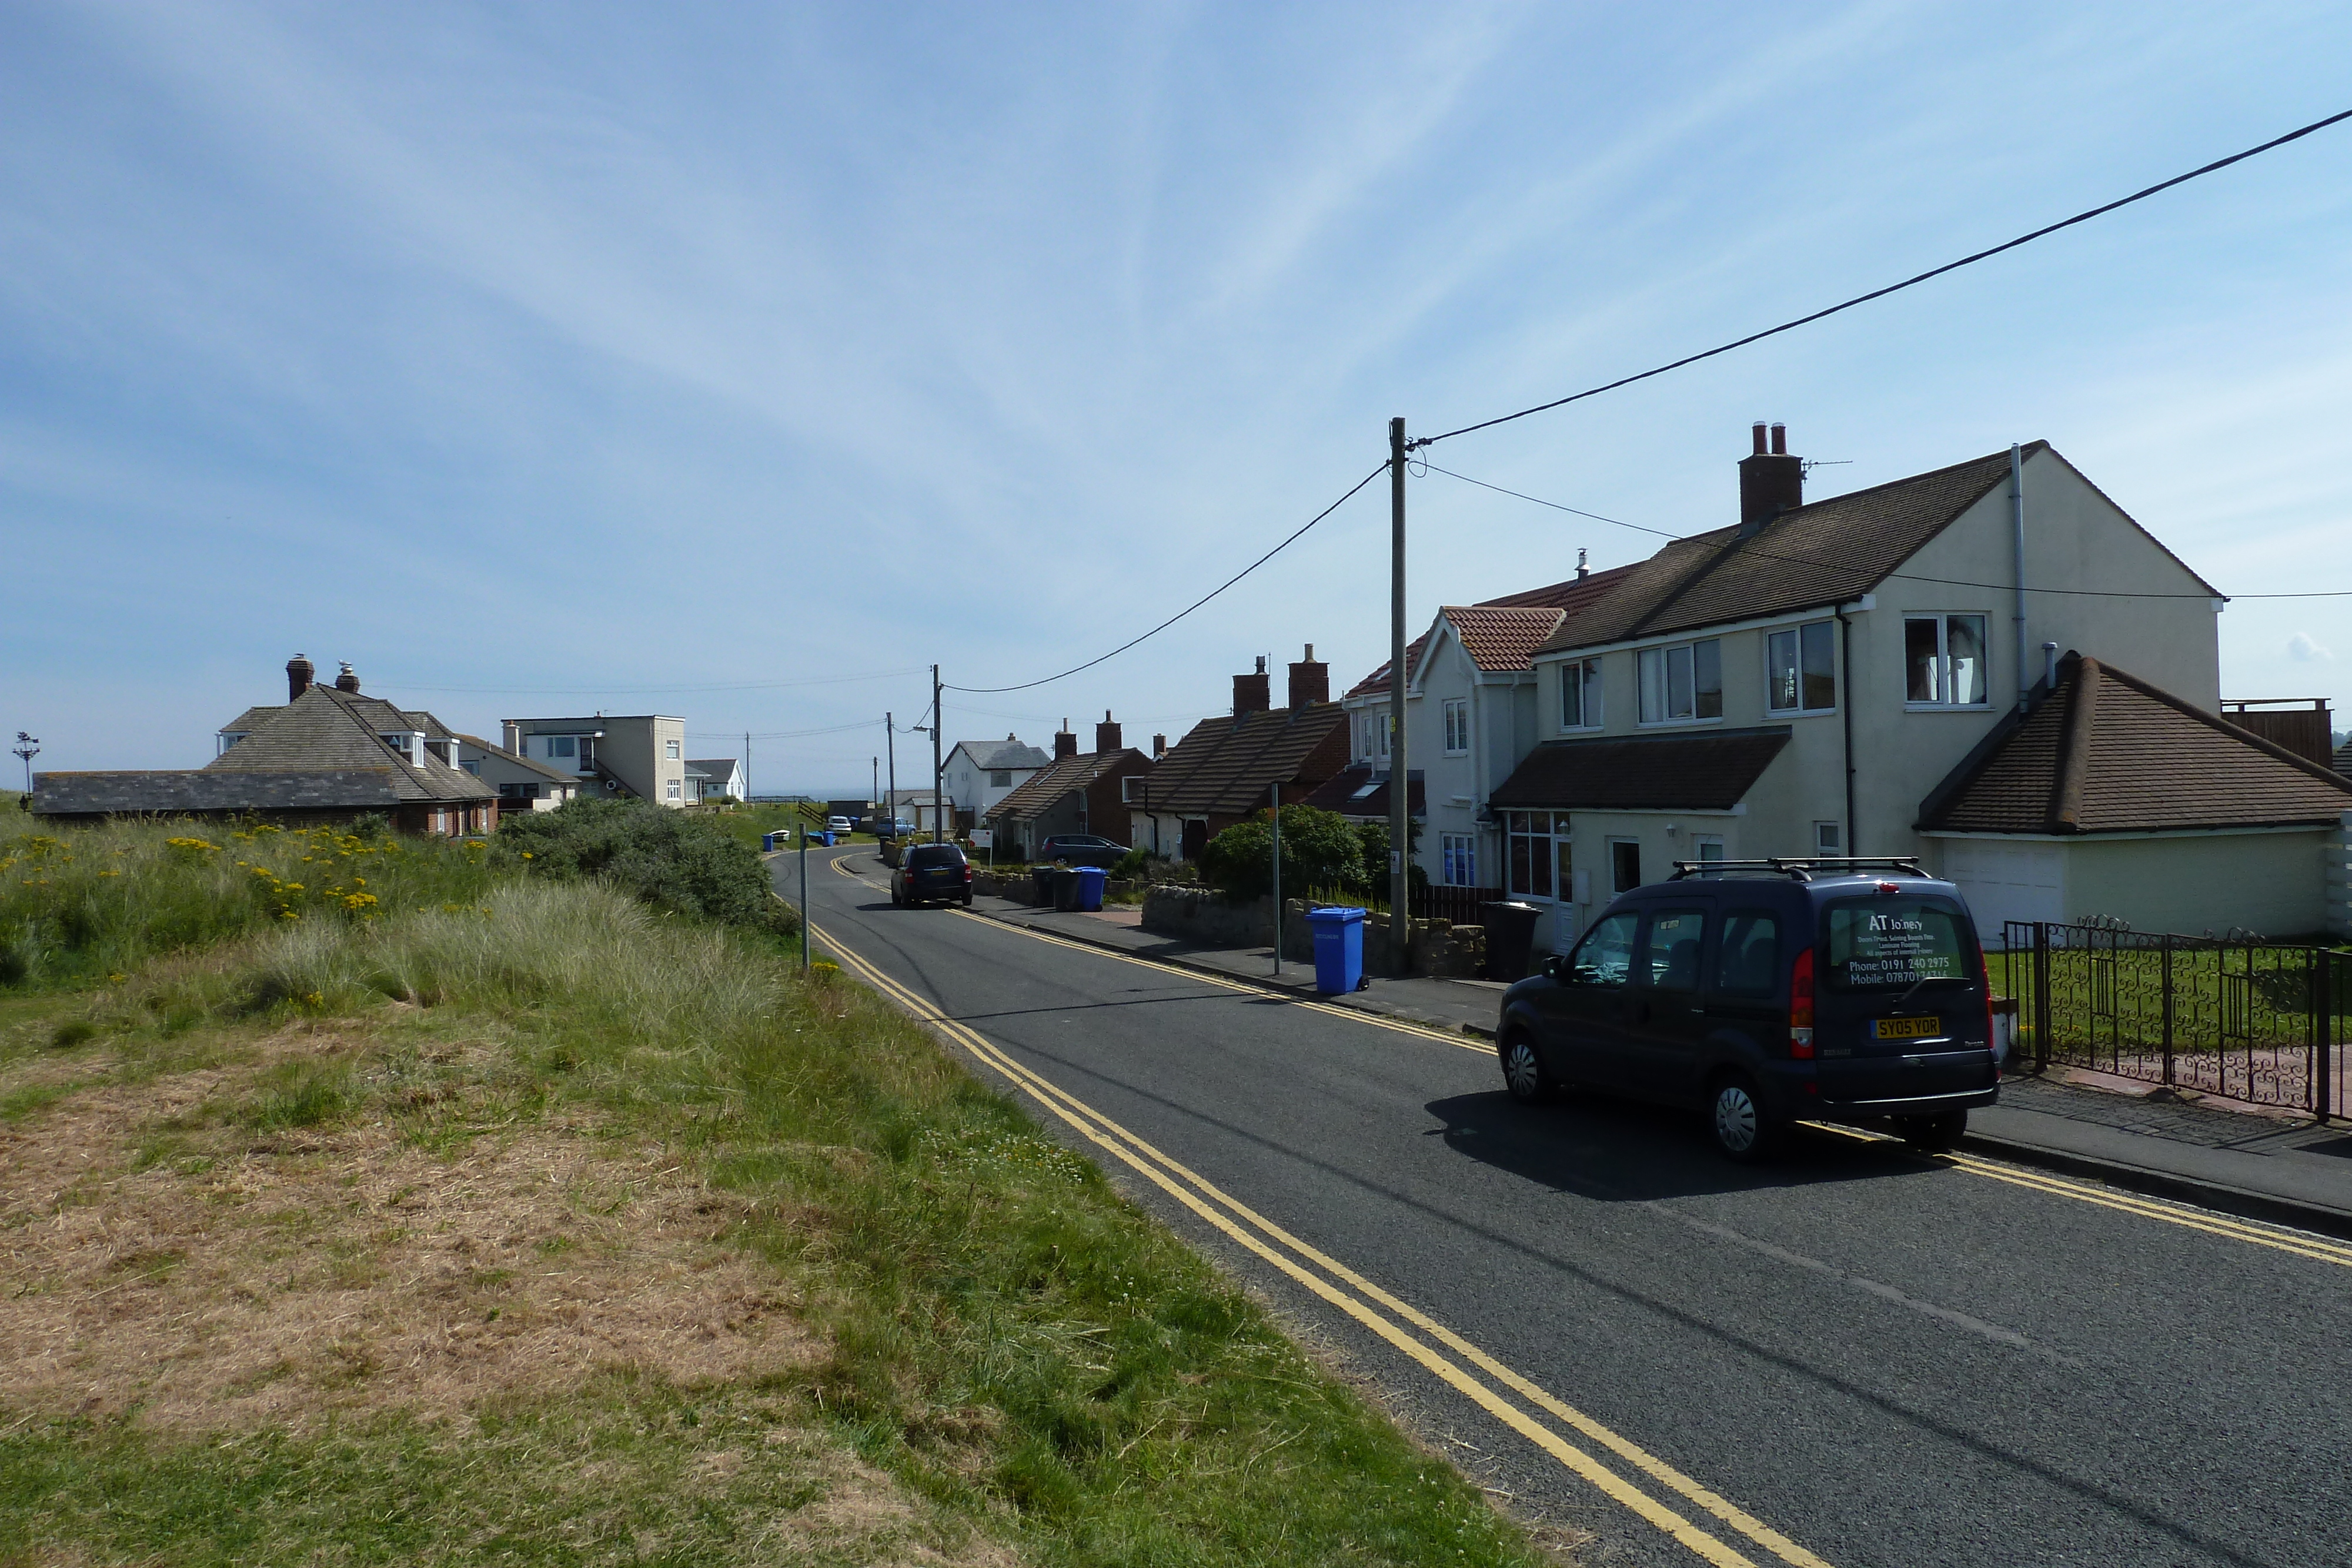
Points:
[(26, 748)]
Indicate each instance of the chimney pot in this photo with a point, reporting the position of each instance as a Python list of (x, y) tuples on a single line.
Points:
[(1770, 482), (1107, 735), (299, 673), (1757, 432), (348, 681), (1580, 568)]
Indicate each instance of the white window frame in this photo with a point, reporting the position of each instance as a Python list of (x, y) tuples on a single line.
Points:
[(1615, 840), (670, 750), (1701, 844), (1795, 636), (1940, 676), (1458, 726), (674, 788), (1458, 859), (1829, 838), (1661, 660), (1579, 694), (1549, 839)]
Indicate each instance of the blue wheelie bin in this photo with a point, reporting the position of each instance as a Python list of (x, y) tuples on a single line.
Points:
[(1339, 949), (1090, 886)]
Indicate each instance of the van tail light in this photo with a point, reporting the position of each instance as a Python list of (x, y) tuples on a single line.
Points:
[(1801, 1006)]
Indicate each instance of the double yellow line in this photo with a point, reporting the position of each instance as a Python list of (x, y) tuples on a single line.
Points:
[(1503, 1393)]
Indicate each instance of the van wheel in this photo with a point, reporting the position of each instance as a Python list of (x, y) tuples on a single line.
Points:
[(1523, 1071), (1933, 1133), (1736, 1116)]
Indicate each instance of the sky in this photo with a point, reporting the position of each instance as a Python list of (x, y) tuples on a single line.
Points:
[(741, 363)]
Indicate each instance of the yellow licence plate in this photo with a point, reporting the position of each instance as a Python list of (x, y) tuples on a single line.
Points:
[(1904, 1028)]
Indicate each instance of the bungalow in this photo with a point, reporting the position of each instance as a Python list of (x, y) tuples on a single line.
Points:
[(523, 784), (1228, 769), (980, 773), (327, 754), (719, 776), (1077, 792)]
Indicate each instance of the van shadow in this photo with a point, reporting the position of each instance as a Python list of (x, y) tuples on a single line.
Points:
[(1622, 1151)]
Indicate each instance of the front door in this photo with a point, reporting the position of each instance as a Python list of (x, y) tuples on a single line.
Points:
[(1586, 1012)]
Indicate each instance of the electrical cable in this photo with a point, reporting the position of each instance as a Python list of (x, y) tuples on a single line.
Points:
[(1196, 605), (1905, 576), (1892, 287)]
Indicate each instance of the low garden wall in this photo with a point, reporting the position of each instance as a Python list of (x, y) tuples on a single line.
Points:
[(1198, 915)]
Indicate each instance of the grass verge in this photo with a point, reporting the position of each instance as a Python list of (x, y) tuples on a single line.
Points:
[(551, 1228)]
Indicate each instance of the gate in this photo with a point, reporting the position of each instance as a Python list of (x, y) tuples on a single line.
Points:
[(2260, 1021)]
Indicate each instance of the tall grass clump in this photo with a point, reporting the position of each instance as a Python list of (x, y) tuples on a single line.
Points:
[(80, 903)]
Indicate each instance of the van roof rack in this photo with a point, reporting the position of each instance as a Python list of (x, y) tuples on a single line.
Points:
[(1803, 868)]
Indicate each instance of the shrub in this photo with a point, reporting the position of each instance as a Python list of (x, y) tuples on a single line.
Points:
[(689, 865), (1320, 849)]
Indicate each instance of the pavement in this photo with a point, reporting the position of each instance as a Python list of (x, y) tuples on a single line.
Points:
[(1856, 1354), (2241, 1161)]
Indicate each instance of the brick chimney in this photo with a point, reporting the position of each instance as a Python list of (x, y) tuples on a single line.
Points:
[(1771, 481), (299, 673), (1107, 734), (1158, 746), (1311, 681), (348, 681), (1250, 692), (1066, 742)]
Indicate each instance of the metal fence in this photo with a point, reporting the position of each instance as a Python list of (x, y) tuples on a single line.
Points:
[(2244, 1019)]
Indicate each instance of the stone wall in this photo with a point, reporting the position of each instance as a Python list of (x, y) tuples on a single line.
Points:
[(1197, 915)]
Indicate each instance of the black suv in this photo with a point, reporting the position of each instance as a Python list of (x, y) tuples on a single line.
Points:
[(928, 871), (1081, 849), (1767, 991)]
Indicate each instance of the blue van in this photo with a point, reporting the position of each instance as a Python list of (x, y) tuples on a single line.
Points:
[(1764, 992)]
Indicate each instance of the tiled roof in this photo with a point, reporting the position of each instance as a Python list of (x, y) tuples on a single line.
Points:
[(1501, 638), (503, 755), (2106, 752), (1010, 752), (1354, 791), (713, 767), (325, 730), (165, 792), (1572, 598), (1703, 770), (1037, 793), (388, 719), (1226, 765), (2344, 757), (1822, 554)]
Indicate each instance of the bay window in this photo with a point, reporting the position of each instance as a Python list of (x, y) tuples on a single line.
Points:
[(1944, 661), (1579, 694), (1800, 668), (1682, 682)]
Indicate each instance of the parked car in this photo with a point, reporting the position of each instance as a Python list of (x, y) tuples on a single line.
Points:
[(839, 825), (1767, 991), (1081, 849), (932, 873)]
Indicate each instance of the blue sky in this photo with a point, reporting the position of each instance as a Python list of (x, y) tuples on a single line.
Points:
[(538, 359)]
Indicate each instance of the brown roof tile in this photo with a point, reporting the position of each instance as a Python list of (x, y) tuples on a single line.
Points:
[(325, 730), (1706, 770), (1034, 795), (1500, 638), (1224, 766), (1574, 596), (2107, 752), (1354, 791)]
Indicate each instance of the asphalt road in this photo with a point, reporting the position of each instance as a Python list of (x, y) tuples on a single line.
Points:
[(1854, 1356)]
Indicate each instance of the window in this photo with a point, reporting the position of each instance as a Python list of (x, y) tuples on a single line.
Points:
[(1624, 865), (1708, 847), (675, 789), (1539, 853), (398, 743), (1944, 661), (1459, 857), (1748, 963), (1682, 682), (1885, 943), (1383, 726), (1458, 726), (561, 745), (1670, 949), (669, 751), (1828, 840), (1000, 778), (1800, 666), (1605, 957), (1579, 694)]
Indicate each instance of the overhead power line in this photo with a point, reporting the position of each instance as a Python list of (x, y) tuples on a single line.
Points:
[(2081, 217), (1905, 576), (1196, 605)]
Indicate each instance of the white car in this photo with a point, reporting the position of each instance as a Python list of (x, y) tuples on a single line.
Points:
[(837, 825)]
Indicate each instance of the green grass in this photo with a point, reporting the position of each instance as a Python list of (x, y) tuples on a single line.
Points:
[(1020, 1354)]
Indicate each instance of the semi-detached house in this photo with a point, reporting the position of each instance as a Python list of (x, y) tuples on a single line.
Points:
[(1810, 680)]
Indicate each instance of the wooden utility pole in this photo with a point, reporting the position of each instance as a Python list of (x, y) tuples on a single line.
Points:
[(1400, 802), (938, 829), (1275, 818), (890, 748)]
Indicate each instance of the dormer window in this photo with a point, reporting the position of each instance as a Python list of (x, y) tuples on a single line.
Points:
[(399, 743)]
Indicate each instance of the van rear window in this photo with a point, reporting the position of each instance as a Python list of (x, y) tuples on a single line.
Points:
[(1884, 942)]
